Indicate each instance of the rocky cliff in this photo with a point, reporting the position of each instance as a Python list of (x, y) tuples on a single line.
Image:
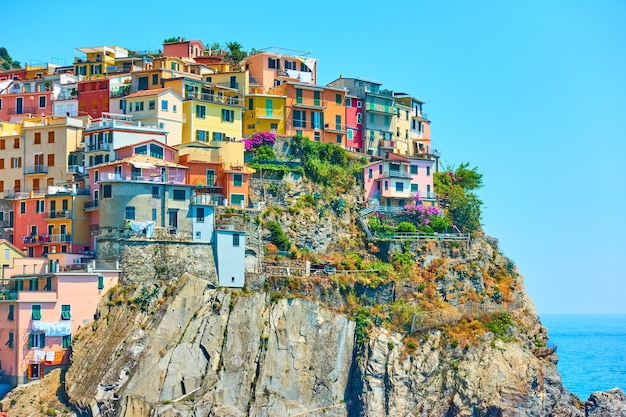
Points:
[(447, 330)]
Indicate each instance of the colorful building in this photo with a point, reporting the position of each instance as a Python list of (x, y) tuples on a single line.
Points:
[(420, 126), (182, 48), (264, 113), (354, 123), (316, 112), (24, 98), (43, 302), (269, 69), (160, 108), (230, 250), (93, 97), (94, 62), (11, 159)]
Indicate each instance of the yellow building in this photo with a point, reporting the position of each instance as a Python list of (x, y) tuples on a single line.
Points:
[(67, 222), (48, 142), (264, 113), (94, 61), (400, 127), (8, 252), (11, 159)]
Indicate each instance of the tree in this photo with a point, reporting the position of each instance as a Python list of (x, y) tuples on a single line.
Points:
[(454, 189), (235, 52)]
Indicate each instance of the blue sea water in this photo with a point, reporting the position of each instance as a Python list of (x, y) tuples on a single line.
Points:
[(591, 350)]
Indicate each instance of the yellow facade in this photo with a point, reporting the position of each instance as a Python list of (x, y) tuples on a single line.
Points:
[(230, 153), (400, 127), (96, 60), (8, 253), (264, 113), (11, 159), (207, 121), (67, 222)]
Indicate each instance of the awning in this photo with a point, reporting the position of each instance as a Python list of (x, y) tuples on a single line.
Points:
[(138, 164)]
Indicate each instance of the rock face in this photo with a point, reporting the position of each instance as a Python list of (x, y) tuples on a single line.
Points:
[(607, 404)]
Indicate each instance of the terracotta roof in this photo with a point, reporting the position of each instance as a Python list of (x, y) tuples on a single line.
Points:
[(144, 93)]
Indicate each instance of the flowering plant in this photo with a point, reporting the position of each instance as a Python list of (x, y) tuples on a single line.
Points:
[(421, 214), (259, 139)]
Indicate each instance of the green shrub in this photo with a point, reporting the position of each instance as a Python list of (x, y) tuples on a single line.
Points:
[(439, 224), (407, 227), (278, 236)]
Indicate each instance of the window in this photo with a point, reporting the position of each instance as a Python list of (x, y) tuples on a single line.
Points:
[(138, 105), (155, 191), (348, 102), (155, 79), (272, 63), (36, 312), (370, 173), (339, 139), (141, 150), (51, 160), (299, 95), (228, 115), (350, 134), (202, 135), (50, 137), (2, 144), (37, 139), (164, 105), (156, 151), (129, 213), (179, 195), (42, 101), (173, 108), (316, 98), (372, 118), (316, 136), (10, 342), (359, 104), (338, 99), (218, 136), (1, 163), (154, 214), (399, 186), (100, 282), (414, 188), (200, 214), (142, 83), (338, 122), (236, 239), (11, 312), (210, 177), (380, 169), (200, 111), (237, 180), (36, 340), (386, 185), (66, 312), (16, 143), (0, 104), (66, 342), (316, 118), (299, 118), (39, 206), (427, 171), (106, 191), (414, 169), (250, 104), (236, 199), (151, 105), (22, 207)]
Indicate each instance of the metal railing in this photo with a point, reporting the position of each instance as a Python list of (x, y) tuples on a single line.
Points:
[(214, 98), (91, 204), (36, 169), (418, 236), (66, 214), (98, 147), (396, 174)]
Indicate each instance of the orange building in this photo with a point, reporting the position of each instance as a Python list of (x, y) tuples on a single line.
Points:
[(316, 112)]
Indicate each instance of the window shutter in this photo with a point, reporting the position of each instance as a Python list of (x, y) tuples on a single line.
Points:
[(29, 372), (31, 340), (100, 282)]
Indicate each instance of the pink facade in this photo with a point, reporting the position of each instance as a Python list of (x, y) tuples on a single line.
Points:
[(30, 232), (42, 310), (354, 123), (398, 181), (93, 97), (18, 105), (169, 153), (183, 49)]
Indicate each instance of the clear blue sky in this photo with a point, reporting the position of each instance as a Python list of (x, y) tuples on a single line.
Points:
[(531, 92)]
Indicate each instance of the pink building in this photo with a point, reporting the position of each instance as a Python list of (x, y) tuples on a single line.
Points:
[(183, 49), (30, 227), (398, 181), (354, 123), (43, 303), (19, 99)]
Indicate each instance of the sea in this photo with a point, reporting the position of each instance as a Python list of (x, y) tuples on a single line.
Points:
[(591, 350)]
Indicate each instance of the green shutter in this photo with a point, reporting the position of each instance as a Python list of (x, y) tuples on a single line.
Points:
[(11, 312), (66, 313), (36, 312), (268, 107), (67, 341), (9, 342), (31, 341), (100, 282)]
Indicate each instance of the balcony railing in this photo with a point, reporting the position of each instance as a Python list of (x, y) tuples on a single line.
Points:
[(380, 108), (234, 85), (23, 110), (36, 169), (387, 144), (309, 102), (391, 173), (266, 113), (90, 205), (99, 147), (24, 193), (214, 98), (60, 214), (207, 200), (178, 178)]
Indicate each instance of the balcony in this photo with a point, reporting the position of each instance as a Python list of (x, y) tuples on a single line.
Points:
[(60, 214), (393, 192), (380, 108), (23, 110), (98, 147), (36, 169), (23, 193), (214, 98), (91, 205), (392, 173), (12, 294), (266, 114), (387, 144), (207, 200), (234, 85), (173, 178), (335, 128), (424, 195), (309, 103)]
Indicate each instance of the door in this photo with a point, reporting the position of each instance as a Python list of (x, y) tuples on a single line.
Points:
[(38, 162), (173, 219), (19, 105)]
